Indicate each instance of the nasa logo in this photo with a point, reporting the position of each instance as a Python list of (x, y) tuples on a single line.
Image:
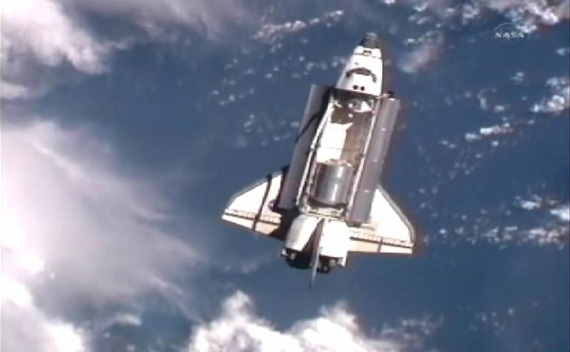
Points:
[(508, 34)]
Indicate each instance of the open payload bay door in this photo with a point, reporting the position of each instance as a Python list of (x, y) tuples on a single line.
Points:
[(252, 207), (388, 231)]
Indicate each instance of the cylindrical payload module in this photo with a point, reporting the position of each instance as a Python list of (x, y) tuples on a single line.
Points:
[(331, 184), (359, 208), (314, 111)]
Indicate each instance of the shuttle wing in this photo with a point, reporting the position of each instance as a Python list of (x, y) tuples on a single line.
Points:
[(388, 230), (252, 207)]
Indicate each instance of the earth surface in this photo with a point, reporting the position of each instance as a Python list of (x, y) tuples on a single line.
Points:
[(127, 126)]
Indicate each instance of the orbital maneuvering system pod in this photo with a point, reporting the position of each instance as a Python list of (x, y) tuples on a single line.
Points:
[(328, 201)]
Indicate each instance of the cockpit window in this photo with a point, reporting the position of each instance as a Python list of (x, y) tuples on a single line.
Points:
[(361, 71)]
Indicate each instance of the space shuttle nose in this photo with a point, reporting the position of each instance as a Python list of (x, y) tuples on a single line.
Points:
[(370, 41)]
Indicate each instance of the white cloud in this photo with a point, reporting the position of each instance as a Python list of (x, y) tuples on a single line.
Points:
[(126, 319), (40, 35), (27, 328), (214, 18), (491, 131), (18, 91), (42, 29), (562, 213), (273, 32), (529, 15), (425, 50), (71, 219), (550, 229), (558, 101), (238, 328)]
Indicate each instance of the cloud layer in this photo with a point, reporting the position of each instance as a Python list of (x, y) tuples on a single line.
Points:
[(26, 328), (238, 328), (76, 232), (39, 36)]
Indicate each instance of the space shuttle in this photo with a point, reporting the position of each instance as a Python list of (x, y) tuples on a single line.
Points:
[(328, 202)]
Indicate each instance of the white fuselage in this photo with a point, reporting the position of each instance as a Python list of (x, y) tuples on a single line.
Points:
[(363, 71), (329, 200), (338, 134)]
